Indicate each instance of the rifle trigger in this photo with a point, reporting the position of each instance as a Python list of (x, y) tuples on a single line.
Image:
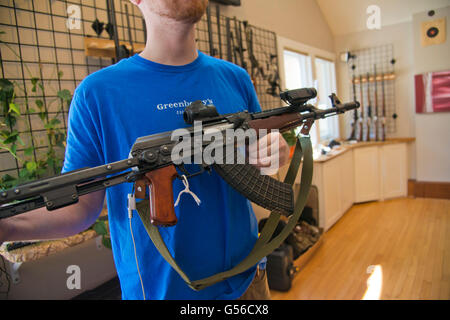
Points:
[(187, 174)]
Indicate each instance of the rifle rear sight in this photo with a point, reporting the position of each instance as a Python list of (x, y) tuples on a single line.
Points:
[(298, 97)]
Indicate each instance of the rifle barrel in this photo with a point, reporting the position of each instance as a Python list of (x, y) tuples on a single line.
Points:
[(75, 177)]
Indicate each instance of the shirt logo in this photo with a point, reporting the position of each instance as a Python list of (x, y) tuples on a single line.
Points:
[(180, 104)]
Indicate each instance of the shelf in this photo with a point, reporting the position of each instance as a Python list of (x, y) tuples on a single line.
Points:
[(361, 144), (43, 249), (105, 48), (379, 78)]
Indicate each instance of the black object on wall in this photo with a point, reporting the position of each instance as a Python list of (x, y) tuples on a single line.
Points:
[(229, 2)]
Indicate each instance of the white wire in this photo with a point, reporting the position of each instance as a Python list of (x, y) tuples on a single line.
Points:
[(135, 256)]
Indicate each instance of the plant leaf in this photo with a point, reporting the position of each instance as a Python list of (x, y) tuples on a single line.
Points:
[(39, 103), (20, 140), (23, 173), (65, 95), (14, 108), (34, 81), (31, 166), (55, 121), (106, 241), (6, 85), (100, 228), (12, 137), (29, 151), (14, 149)]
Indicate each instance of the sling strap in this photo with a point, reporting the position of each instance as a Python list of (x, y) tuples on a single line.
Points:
[(265, 244)]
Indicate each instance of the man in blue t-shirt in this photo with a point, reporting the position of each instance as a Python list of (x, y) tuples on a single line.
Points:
[(142, 95)]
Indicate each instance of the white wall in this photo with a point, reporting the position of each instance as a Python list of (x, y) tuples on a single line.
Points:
[(432, 130), (429, 156), (348, 16), (299, 20)]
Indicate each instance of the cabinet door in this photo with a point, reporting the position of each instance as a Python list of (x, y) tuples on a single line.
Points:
[(367, 174), (394, 168), (332, 191), (347, 181)]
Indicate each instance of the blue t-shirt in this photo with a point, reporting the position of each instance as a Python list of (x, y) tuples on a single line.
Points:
[(114, 106)]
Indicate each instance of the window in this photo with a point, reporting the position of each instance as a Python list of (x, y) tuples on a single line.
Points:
[(298, 74), (326, 84), (297, 69)]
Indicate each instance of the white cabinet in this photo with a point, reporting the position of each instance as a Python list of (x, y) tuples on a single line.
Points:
[(393, 164), (331, 191), (366, 174), (334, 180), (358, 174), (380, 172)]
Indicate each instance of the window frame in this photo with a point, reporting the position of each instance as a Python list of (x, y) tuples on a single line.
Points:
[(335, 131), (313, 53)]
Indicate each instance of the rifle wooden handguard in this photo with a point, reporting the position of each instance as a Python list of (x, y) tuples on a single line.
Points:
[(281, 122)]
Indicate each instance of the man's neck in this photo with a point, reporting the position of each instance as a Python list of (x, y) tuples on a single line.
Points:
[(170, 43)]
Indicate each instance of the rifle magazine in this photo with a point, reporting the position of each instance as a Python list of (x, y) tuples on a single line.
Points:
[(263, 190)]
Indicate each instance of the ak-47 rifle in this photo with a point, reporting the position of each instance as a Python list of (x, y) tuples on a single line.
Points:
[(130, 37), (273, 77), (120, 49), (240, 45), (355, 112), (362, 118), (369, 108), (383, 111), (219, 30), (230, 43), (256, 68), (150, 160), (212, 50), (375, 121)]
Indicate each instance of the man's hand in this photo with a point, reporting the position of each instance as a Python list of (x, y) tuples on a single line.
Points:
[(269, 153)]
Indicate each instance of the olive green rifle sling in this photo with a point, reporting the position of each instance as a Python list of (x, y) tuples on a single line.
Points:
[(264, 245)]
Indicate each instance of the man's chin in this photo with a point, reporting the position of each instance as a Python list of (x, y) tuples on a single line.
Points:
[(187, 11)]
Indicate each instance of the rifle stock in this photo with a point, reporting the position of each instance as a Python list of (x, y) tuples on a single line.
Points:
[(375, 123), (355, 112), (369, 109), (383, 120), (361, 123)]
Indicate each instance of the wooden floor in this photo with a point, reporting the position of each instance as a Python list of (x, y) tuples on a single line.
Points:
[(408, 238)]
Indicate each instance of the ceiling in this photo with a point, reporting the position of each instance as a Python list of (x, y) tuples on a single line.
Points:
[(348, 16)]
